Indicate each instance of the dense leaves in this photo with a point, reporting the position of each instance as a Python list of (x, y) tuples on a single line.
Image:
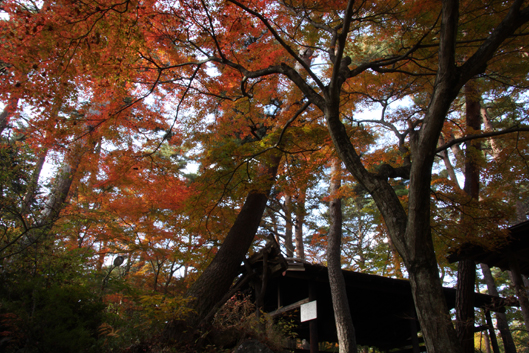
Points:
[(138, 128)]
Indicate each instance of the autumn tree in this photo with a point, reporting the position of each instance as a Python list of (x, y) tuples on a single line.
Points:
[(410, 231), (232, 62)]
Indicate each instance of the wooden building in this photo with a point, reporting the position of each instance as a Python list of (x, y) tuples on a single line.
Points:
[(382, 308)]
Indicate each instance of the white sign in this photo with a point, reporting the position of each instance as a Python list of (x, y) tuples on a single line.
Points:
[(309, 311)]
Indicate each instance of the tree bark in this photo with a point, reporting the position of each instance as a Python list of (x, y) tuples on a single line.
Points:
[(342, 313), (466, 271), (289, 246), (60, 191), (33, 184), (216, 280), (466, 277), (501, 318), (61, 188), (488, 128), (300, 220)]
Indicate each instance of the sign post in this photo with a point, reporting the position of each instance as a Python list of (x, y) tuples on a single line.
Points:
[(309, 311)]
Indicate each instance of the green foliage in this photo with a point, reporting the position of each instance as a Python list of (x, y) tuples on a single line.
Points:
[(16, 164), (158, 309), (14, 169), (50, 306)]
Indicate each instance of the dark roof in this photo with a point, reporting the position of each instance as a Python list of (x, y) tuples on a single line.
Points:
[(382, 308), (517, 246)]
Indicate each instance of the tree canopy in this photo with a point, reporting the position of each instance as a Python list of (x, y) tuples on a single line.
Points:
[(183, 134)]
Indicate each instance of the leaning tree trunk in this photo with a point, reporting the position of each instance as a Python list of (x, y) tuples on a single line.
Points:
[(61, 188), (216, 280), (342, 314)]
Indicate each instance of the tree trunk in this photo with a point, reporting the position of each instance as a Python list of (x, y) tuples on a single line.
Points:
[(340, 303), (33, 184), (431, 311), (411, 235), (526, 283), (487, 342), (7, 113), (466, 278), (289, 246), (300, 219), (466, 271), (501, 318), (448, 165), (61, 188), (217, 278), (60, 191), (521, 291), (489, 128)]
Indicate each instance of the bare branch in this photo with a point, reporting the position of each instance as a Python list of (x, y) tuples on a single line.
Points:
[(281, 41), (479, 136)]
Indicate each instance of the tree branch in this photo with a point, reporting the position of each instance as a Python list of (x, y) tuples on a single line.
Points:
[(477, 63), (478, 136), (281, 41)]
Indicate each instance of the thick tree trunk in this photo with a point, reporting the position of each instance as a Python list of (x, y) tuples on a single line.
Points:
[(340, 303), (526, 283), (466, 277), (501, 318), (431, 311), (216, 280)]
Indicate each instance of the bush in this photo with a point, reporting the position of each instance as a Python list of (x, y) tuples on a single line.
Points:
[(53, 309)]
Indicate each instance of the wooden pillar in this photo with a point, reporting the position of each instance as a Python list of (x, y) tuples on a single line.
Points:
[(492, 333), (313, 324)]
